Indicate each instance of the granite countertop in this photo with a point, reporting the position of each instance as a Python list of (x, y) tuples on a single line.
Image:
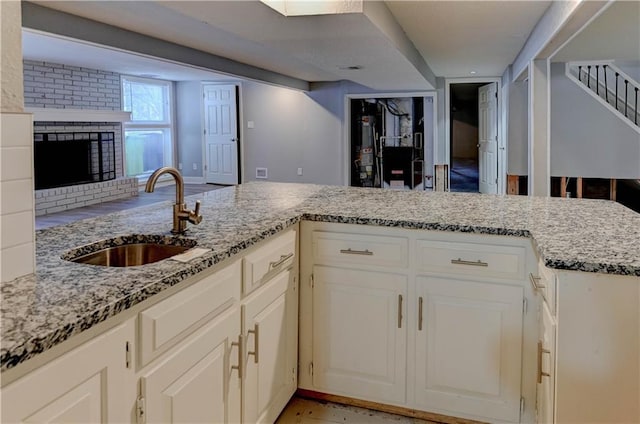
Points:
[(63, 298)]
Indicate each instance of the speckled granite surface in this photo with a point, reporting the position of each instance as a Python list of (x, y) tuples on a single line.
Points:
[(63, 298)]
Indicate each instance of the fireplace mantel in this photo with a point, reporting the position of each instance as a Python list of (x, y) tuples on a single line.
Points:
[(77, 115)]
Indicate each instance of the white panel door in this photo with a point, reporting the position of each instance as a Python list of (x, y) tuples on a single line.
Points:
[(468, 348), (221, 134), (360, 334), (195, 383), (488, 138), (86, 385), (271, 349)]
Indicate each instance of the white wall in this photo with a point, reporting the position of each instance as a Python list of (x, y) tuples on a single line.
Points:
[(588, 140), (631, 68), (518, 128), (189, 128), (17, 240), (294, 129)]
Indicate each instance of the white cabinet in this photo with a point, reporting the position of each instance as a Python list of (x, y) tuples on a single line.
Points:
[(197, 381), (192, 379), (86, 385), (546, 373), (427, 321), (468, 348), (597, 373), (359, 333), (270, 329), (212, 355)]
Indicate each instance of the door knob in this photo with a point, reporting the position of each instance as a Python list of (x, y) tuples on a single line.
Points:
[(234, 139)]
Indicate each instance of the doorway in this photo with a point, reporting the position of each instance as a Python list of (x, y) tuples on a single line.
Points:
[(391, 140), (472, 142), (463, 127)]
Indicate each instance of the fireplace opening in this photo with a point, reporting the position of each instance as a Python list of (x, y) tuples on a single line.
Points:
[(64, 159)]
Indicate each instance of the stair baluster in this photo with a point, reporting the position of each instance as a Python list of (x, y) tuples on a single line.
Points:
[(598, 80), (635, 119), (617, 74), (589, 76), (626, 85), (606, 89)]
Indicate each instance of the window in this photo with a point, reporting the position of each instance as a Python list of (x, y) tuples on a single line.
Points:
[(148, 136)]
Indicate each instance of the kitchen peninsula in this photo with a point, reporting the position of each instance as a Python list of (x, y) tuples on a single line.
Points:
[(575, 240)]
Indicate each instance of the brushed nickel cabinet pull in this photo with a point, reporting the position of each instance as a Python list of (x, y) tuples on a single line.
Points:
[(283, 259), (535, 282), (240, 345), (256, 338), (348, 251), (461, 261), (541, 373), (420, 313), (399, 311)]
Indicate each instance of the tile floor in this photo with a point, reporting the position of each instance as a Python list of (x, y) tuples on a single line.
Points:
[(306, 411), (160, 194)]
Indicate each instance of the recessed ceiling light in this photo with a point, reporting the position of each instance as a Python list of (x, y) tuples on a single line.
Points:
[(473, 72)]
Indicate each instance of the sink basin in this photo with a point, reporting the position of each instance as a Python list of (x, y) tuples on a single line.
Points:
[(134, 251)]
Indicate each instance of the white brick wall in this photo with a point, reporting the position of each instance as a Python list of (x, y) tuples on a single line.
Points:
[(52, 85), (64, 86), (64, 198)]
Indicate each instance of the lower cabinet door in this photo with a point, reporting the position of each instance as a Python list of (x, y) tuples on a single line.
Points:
[(196, 382), (468, 348), (270, 330), (545, 402), (360, 334), (86, 385)]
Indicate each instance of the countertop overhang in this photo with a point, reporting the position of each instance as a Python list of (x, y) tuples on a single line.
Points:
[(62, 298)]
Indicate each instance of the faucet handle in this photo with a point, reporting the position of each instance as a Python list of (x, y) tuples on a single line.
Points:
[(195, 217)]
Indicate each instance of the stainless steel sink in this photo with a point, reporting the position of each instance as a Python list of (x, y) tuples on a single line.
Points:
[(132, 253)]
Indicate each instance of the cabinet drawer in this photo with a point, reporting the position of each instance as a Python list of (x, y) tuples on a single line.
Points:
[(164, 324), (486, 260), (545, 283), (331, 248), (268, 260)]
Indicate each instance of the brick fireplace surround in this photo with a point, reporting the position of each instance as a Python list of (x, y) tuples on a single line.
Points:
[(57, 86)]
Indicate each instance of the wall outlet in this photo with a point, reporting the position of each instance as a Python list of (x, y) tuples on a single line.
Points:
[(180, 165), (261, 173), (250, 124), (195, 166), (299, 171)]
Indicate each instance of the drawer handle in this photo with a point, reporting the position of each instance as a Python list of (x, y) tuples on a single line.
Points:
[(541, 373), (348, 251), (420, 313), (460, 261), (399, 311), (240, 345), (256, 337), (283, 259), (535, 282)]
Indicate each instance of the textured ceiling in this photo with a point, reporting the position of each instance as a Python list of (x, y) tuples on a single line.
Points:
[(453, 37)]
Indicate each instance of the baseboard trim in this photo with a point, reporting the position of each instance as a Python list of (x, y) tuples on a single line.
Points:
[(391, 409)]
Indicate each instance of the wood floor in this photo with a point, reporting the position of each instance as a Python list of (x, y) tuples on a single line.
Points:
[(306, 411), (160, 194)]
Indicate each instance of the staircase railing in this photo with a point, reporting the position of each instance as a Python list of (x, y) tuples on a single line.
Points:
[(611, 85)]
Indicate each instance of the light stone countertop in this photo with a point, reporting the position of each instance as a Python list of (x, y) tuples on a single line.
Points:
[(62, 298)]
